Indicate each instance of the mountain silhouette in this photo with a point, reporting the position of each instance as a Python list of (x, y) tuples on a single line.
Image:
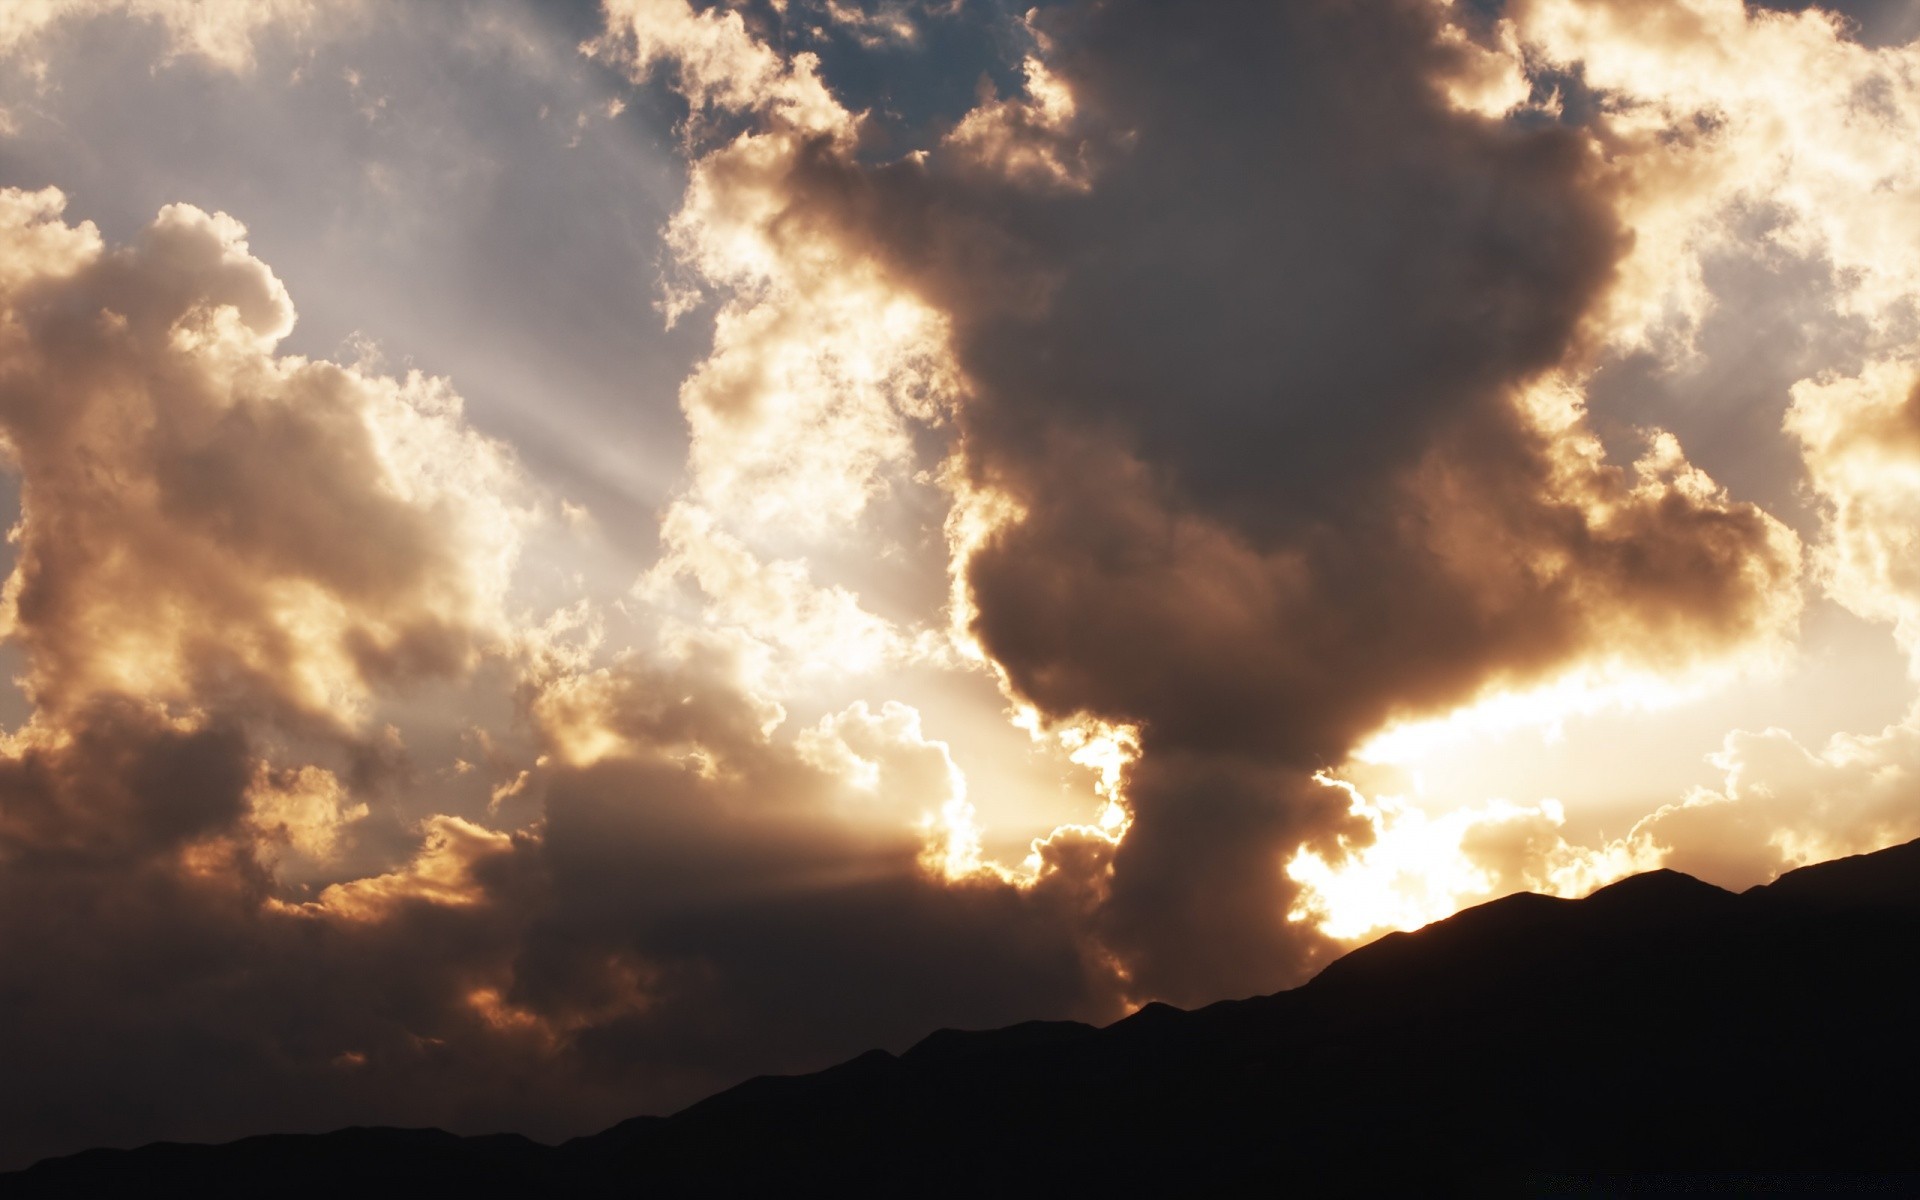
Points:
[(1659, 1034)]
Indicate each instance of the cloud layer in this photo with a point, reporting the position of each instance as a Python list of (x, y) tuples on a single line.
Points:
[(1210, 395)]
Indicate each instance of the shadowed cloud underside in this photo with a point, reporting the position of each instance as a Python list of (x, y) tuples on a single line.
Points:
[(797, 524)]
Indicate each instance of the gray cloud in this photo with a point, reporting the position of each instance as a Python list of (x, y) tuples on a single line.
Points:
[(1259, 395), (1271, 353)]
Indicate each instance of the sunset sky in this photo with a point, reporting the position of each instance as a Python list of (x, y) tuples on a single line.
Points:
[(564, 555)]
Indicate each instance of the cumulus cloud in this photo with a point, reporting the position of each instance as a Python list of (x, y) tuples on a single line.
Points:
[(1299, 448), (718, 64), (1780, 804), (1861, 441), (779, 900), (1409, 868), (302, 808), (223, 556), (1027, 139), (445, 872), (201, 518), (1709, 162), (233, 564), (226, 561), (1250, 454), (1687, 99), (1242, 363), (810, 627), (1783, 804), (887, 753)]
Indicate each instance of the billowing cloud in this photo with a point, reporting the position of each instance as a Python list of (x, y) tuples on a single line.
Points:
[(1687, 97), (1861, 440), (1714, 167), (1299, 446), (1218, 397), (1410, 868), (1277, 448), (777, 604), (201, 517), (1783, 804), (231, 564), (223, 557)]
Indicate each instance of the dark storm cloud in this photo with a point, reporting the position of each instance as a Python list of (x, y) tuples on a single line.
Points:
[(221, 554), (1247, 327), (224, 554), (761, 934), (1260, 392), (718, 898), (151, 989), (1298, 266)]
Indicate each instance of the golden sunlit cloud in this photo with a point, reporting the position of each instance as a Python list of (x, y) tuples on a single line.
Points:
[(441, 873), (304, 809), (1589, 689), (185, 493), (1415, 868), (1703, 134), (1028, 139), (1861, 439), (884, 756), (817, 628), (1703, 143), (1112, 474)]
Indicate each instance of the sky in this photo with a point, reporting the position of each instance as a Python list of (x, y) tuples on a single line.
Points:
[(564, 555)]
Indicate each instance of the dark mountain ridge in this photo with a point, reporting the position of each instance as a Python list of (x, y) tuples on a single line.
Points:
[(1661, 1028)]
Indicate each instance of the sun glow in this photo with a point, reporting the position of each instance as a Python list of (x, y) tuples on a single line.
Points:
[(1418, 868), (1588, 691), (1422, 858)]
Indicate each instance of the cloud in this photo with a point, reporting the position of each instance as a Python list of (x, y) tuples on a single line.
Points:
[(812, 628), (201, 518), (1861, 441), (1783, 805), (802, 414), (764, 901), (1779, 805), (1243, 364), (718, 63), (1026, 139), (445, 872), (1298, 447), (303, 808), (1249, 454), (889, 22), (233, 565), (223, 558), (1409, 868), (887, 754), (1685, 95), (220, 33), (1711, 164)]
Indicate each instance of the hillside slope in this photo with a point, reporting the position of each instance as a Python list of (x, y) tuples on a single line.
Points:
[(1659, 1025)]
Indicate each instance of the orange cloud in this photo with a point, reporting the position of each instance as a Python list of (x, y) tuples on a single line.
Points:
[(444, 872), (204, 523)]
